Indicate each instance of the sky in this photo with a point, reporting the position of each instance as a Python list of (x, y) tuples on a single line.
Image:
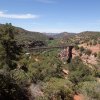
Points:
[(53, 16)]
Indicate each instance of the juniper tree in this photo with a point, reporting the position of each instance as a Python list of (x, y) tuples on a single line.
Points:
[(9, 50)]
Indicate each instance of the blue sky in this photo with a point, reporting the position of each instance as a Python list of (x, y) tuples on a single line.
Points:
[(52, 15)]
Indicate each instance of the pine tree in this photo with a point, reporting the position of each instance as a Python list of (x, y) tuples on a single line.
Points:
[(9, 50)]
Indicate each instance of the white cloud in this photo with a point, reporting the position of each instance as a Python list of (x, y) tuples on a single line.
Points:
[(17, 16), (45, 1)]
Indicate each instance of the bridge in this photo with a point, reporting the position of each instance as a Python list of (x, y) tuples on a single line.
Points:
[(51, 47), (68, 47)]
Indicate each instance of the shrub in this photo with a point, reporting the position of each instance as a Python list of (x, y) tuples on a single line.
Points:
[(91, 90), (10, 90), (90, 43), (58, 89), (95, 54), (82, 49), (76, 47), (98, 55), (79, 72), (88, 52)]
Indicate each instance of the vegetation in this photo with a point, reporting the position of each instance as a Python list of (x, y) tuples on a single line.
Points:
[(99, 55), (24, 37), (82, 49), (19, 70), (10, 51), (11, 90), (87, 51), (90, 90)]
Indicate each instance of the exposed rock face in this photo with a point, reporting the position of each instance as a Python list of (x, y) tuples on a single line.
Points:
[(87, 59), (65, 71), (66, 54), (35, 91)]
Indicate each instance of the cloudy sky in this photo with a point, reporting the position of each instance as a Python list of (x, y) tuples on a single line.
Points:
[(52, 15)]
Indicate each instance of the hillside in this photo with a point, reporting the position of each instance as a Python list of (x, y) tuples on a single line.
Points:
[(79, 38), (85, 34), (48, 74), (89, 34), (25, 36)]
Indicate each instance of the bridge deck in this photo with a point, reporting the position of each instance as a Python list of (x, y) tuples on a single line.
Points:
[(59, 47)]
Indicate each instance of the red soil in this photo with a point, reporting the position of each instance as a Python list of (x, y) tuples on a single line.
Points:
[(78, 97), (95, 48)]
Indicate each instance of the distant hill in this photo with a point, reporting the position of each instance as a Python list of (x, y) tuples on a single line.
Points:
[(64, 34), (82, 37), (25, 36), (85, 34), (89, 34), (50, 34)]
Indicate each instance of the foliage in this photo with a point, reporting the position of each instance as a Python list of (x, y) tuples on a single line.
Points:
[(88, 52), (20, 77), (91, 90), (58, 89), (95, 54), (10, 90), (76, 47), (10, 51), (79, 72), (82, 49), (99, 55), (23, 36), (44, 68)]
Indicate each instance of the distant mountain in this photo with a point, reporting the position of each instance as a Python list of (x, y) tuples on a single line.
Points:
[(85, 34), (82, 37), (64, 34), (50, 34)]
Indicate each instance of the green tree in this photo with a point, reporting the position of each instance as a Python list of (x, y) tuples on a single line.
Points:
[(95, 54), (9, 50), (76, 47), (82, 49), (88, 52), (10, 90), (58, 89), (79, 72), (90, 90)]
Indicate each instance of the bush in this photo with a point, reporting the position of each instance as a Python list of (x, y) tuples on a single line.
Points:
[(76, 47), (98, 55), (20, 77), (90, 90), (88, 52), (79, 72), (58, 89), (10, 90), (82, 49), (95, 54)]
